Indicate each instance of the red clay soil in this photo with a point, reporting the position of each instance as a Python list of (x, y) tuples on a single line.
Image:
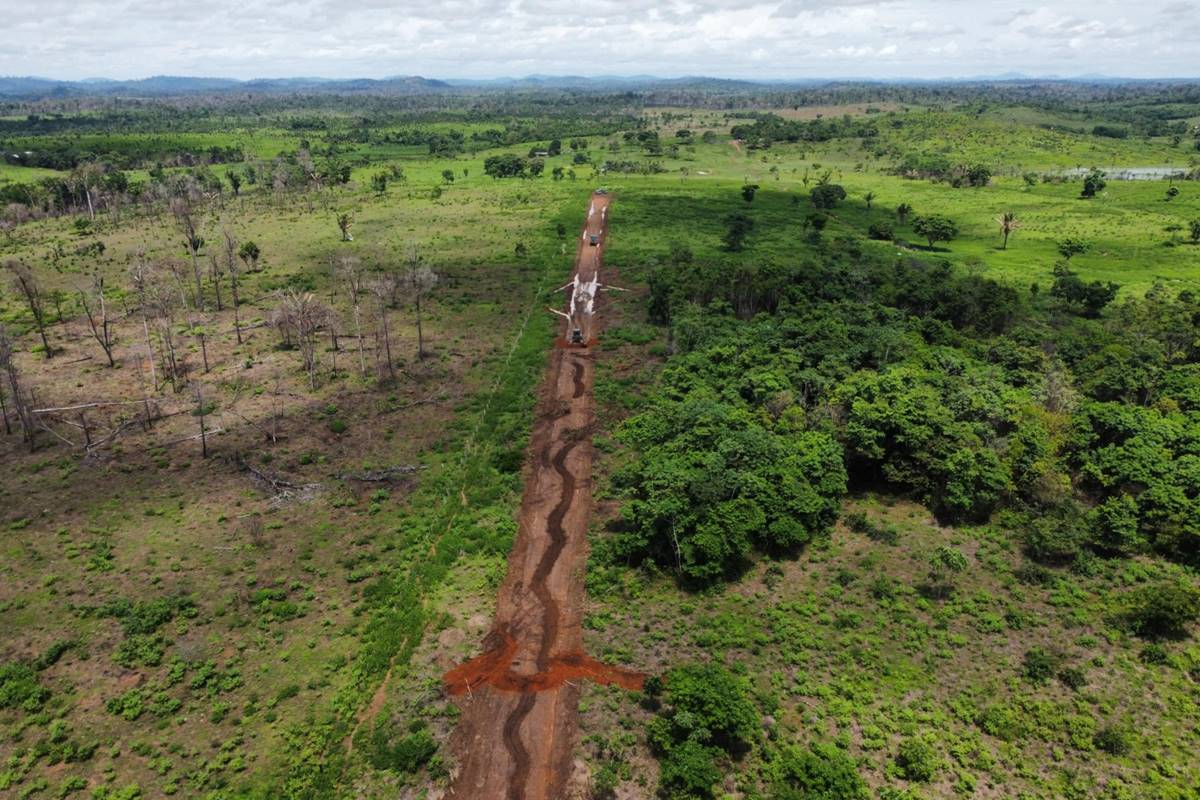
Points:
[(519, 699)]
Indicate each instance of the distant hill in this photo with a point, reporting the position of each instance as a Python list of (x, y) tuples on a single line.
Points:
[(30, 87), (166, 85)]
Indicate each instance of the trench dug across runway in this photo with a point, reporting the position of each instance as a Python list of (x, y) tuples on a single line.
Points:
[(519, 699)]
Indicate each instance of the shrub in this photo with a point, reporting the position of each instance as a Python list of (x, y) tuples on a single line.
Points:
[(1112, 740), (706, 710), (1115, 524), (53, 654), (128, 706), (917, 760), (1093, 184), (405, 755), (604, 781), (711, 704), (1163, 610), (287, 692), (687, 771), (337, 426), (827, 195), (1154, 654), (1056, 539), (141, 650), (1073, 678), (876, 531), (19, 688), (881, 231), (1003, 722), (821, 772), (1040, 665)]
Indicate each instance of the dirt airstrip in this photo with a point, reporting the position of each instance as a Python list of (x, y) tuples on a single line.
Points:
[(520, 697)]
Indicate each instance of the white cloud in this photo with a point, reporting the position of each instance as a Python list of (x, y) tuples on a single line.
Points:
[(486, 38)]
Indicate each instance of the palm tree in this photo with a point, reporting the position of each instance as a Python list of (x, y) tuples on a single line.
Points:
[(344, 221), (1008, 223)]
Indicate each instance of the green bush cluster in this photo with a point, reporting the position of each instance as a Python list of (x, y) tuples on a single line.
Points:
[(403, 754), (714, 483), (821, 771), (706, 716), (20, 688)]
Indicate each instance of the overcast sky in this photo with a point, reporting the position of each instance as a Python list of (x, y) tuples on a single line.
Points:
[(72, 39)]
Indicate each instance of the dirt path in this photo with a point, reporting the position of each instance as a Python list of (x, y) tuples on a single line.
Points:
[(519, 698)]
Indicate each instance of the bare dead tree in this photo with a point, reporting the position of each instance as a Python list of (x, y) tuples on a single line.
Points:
[(201, 412), (276, 405), (215, 268), (231, 266), (22, 402), (95, 307), (26, 284), (352, 274), (147, 421), (177, 273), (162, 304), (419, 280), (383, 288), (139, 277), (85, 178), (304, 315), (4, 409), (185, 219), (200, 331)]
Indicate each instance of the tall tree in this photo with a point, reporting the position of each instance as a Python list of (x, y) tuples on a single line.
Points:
[(1093, 184), (935, 228), (249, 253), (738, 227), (26, 284), (164, 296)]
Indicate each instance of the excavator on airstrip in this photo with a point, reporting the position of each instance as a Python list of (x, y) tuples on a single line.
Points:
[(582, 306)]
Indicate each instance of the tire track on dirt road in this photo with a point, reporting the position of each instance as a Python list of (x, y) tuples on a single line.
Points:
[(558, 540), (519, 724), (517, 750)]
